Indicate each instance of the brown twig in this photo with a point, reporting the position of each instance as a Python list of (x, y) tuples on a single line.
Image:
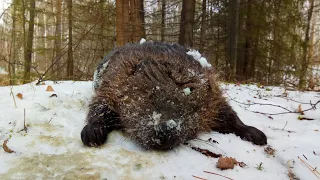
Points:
[(285, 125), (24, 120), (14, 99), (198, 177), (217, 174), (313, 107), (206, 152), (313, 170)]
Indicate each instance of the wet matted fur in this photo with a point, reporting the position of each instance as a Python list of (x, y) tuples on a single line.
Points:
[(140, 88)]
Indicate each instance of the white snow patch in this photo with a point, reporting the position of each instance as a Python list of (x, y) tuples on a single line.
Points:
[(3, 71), (52, 147), (197, 56), (171, 124), (187, 91), (143, 40), (156, 117)]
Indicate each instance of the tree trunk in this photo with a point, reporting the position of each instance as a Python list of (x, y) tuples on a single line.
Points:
[(186, 23), (233, 36), (248, 43), (119, 23), (102, 9), (163, 17), (305, 58), (29, 45), (203, 25), (137, 20), (127, 30), (70, 63), (57, 38), (14, 49)]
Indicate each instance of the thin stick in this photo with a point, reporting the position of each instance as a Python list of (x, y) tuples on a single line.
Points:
[(285, 125), (217, 174), (313, 170), (24, 120), (198, 177), (14, 99)]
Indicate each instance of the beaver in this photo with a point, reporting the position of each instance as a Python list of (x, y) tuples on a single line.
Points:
[(162, 96)]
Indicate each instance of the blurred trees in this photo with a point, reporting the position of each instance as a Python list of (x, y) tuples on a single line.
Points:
[(273, 42)]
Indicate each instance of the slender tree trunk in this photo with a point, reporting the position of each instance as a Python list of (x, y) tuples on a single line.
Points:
[(203, 25), (186, 23), (58, 37), (163, 17), (102, 9), (305, 58), (137, 20), (248, 42), (70, 63), (127, 29), (233, 36), (14, 49), (29, 45), (119, 23)]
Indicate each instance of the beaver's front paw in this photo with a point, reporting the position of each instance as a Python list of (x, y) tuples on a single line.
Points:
[(253, 135), (94, 135)]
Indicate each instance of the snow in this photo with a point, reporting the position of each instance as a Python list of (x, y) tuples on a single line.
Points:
[(3, 71), (52, 149), (143, 40), (187, 91), (197, 56)]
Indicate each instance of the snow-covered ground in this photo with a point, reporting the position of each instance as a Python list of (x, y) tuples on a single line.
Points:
[(52, 149)]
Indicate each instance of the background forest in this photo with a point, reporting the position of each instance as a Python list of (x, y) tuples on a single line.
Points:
[(273, 42)]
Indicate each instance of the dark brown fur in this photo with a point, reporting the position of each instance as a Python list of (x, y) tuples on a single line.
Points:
[(141, 92)]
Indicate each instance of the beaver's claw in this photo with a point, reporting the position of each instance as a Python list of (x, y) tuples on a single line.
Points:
[(94, 135), (253, 135)]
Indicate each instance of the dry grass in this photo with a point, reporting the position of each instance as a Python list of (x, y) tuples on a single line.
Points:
[(4, 80)]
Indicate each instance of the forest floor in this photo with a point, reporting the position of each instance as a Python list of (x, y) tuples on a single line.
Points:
[(51, 148)]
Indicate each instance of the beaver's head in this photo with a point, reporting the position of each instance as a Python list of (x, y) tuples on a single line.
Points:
[(164, 103)]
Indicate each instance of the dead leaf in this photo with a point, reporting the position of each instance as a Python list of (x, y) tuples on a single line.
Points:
[(54, 95), (19, 95), (242, 164), (300, 110), (269, 150), (49, 88), (226, 163), (6, 148)]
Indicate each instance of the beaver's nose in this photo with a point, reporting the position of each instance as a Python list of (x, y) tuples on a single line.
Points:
[(167, 135)]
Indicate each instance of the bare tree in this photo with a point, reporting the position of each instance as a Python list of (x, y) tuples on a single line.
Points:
[(186, 23), (163, 17), (58, 35), (29, 45), (70, 64), (233, 36), (137, 19), (305, 58), (203, 25)]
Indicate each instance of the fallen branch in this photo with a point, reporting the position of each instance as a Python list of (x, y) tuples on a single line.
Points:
[(217, 174), (198, 177), (313, 107), (14, 99), (24, 120), (206, 152), (313, 170)]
